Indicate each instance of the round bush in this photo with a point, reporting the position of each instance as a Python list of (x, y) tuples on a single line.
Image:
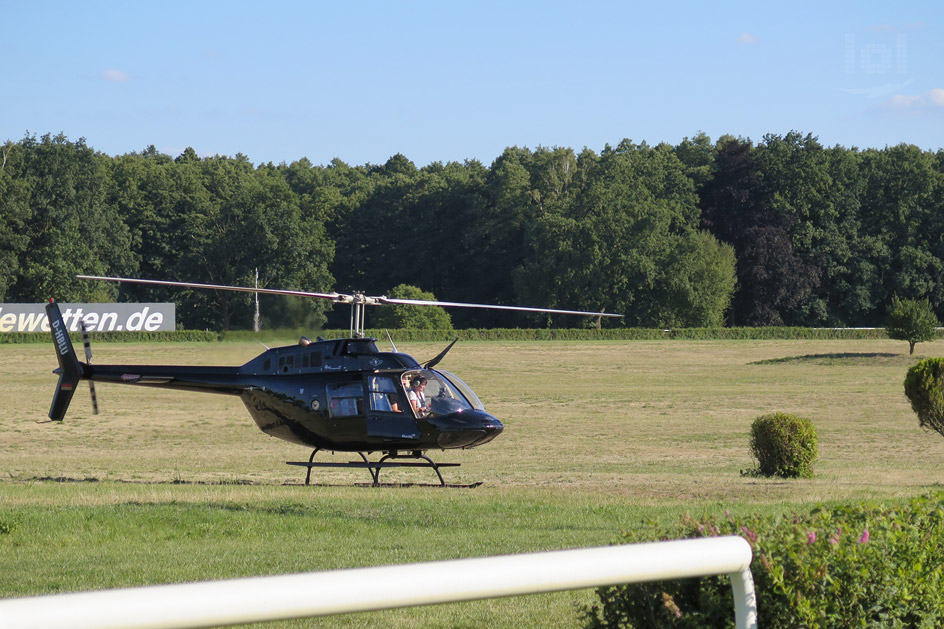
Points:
[(784, 445), (924, 386)]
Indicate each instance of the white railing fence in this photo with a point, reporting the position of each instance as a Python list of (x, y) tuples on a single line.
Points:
[(261, 599)]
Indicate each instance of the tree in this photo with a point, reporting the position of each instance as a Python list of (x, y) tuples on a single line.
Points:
[(152, 198), (903, 212), (14, 213), (798, 187), (406, 316), (248, 219), (698, 155), (911, 320), (628, 242), (216, 221), (497, 234), (699, 281), (413, 227), (740, 209), (70, 225)]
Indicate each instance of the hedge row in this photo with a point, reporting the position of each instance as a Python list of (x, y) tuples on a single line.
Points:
[(179, 336), (615, 334), (849, 565), (631, 334)]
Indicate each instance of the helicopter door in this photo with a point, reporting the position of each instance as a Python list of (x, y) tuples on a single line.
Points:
[(386, 418), (346, 407)]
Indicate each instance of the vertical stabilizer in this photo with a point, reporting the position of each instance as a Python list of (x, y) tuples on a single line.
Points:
[(70, 371)]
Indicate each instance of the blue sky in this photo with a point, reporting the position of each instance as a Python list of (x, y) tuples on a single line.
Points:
[(451, 80)]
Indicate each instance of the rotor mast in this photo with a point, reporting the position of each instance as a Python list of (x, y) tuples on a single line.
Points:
[(358, 303)]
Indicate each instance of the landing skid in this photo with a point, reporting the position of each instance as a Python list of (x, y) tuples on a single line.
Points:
[(387, 460)]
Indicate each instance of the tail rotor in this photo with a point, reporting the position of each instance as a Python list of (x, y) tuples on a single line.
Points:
[(88, 360)]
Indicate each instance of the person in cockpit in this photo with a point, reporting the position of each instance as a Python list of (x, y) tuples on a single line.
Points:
[(417, 396)]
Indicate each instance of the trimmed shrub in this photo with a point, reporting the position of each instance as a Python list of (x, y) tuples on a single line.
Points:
[(784, 445), (924, 386), (853, 565)]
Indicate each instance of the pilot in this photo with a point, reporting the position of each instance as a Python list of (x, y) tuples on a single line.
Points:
[(417, 395)]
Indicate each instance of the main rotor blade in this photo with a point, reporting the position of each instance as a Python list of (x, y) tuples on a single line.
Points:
[(241, 289), (454, 304), (348, 299)]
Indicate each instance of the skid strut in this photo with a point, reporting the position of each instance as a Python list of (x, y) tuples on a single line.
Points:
[(389, 459)]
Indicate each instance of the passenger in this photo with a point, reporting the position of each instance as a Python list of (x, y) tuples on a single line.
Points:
[(417, 395), (385, 402)]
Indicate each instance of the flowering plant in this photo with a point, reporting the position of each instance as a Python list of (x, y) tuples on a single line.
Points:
[(860, 564)]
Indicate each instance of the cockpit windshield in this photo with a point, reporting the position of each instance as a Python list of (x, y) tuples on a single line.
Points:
[(463, 388), (431, 393)]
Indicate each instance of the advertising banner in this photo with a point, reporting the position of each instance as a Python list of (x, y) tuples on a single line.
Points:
[(97, 317)]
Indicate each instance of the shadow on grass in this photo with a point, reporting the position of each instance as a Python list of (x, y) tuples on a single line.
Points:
[(177, 481), (844, 358), (92, 479)]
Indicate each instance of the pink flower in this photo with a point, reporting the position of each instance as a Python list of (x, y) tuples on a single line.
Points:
[(751, 535), (864, 538), (810, 538), (833, 540)]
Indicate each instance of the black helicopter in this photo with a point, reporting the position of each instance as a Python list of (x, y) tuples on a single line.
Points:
[(341, 395)]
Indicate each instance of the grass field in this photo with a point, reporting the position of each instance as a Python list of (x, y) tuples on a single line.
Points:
[(599, 436)]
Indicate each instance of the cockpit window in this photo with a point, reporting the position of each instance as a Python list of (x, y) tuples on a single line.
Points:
[(463, 388), (430, 394)]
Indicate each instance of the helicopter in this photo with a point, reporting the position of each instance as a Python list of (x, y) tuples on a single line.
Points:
[(337, 395)]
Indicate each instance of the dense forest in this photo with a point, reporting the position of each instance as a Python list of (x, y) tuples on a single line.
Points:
[(781, 232)]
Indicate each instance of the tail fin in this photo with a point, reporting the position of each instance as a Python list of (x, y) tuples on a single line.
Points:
[(70, 371)]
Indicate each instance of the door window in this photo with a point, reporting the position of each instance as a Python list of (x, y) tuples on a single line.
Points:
[(383, 394), (346, 400)]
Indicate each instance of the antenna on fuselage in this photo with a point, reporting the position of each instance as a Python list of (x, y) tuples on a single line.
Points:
[(255, 319), (390, 338)]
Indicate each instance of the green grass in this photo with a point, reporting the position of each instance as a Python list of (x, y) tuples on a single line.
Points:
[(600, 436)]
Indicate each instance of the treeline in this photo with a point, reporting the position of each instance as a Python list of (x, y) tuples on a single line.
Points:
[(782, 232)]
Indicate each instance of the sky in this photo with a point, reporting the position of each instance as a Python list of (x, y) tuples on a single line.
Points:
[(454, 80)]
